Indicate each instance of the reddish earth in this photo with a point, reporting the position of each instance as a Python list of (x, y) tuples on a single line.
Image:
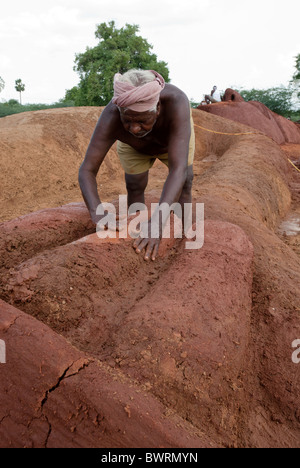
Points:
[(106, 350), (232, 95), (256, 115)]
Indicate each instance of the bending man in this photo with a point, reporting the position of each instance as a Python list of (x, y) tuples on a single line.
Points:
[(149, 119)]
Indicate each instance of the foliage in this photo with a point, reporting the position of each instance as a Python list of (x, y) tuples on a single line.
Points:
[(194, 104), (2, 84), (20, 87), (295, 82), (295, 117), (118, 50), (14, 107), (282, 100), (297, 72), (277, 99), (13, 102)]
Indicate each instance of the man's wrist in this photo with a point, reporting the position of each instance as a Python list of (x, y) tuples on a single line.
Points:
[(155, 228)]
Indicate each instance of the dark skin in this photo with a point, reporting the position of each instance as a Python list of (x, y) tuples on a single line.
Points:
[(166, 130)]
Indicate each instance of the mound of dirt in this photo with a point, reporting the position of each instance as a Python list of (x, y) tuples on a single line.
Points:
[(41, 153), (232, 95), (256, 115), (195, 349), (54, 396), (24, 237), (142, 323)]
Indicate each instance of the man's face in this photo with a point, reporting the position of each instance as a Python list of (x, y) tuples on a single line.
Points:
[(139, 124)]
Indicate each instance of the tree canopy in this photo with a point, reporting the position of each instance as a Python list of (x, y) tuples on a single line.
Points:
[(297, 72), (118, 50), (2, 84), (277, 99), (20, 87), (296, 77)]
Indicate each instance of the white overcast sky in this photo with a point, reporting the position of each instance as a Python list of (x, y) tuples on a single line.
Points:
[(244, 43)]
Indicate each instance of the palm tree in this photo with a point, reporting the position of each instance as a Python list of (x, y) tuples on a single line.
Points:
[(2, 84), (20, 87)]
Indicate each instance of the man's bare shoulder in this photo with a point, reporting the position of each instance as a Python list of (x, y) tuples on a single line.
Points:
[(110, 114), (109, 121), (173, 94), (175, 103)]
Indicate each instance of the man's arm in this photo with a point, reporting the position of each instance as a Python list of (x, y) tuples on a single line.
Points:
[(178, 151), (101, 141)]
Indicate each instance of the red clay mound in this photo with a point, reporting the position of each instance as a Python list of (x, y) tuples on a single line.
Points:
[(275, 309), (232, 95), (256, 115), (139, 318), (23, 237), (54, 396), (40, 156), (205, 334)]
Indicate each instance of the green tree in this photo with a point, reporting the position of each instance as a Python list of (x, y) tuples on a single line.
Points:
[(2, 84), (296, 77), (20, 87), (297, 72), (277, 99), (118, 50), (13, 102)]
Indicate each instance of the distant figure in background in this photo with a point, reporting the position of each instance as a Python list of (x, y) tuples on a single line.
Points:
[(213, 97)]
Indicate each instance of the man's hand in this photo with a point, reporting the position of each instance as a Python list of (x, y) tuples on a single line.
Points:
[(111, 220), (146, 241)]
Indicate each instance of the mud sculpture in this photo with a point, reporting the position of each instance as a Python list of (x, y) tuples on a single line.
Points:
[(256, 115), (106, 350)]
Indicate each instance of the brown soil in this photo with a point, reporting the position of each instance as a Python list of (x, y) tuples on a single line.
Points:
[(106, 350), (232, 95), (289, 229), (256, 115)]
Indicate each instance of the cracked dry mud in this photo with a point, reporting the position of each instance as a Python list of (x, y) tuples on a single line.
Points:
[(106, 350)]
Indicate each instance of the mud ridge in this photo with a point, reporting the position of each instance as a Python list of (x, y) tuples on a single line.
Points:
[(194, 349)]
